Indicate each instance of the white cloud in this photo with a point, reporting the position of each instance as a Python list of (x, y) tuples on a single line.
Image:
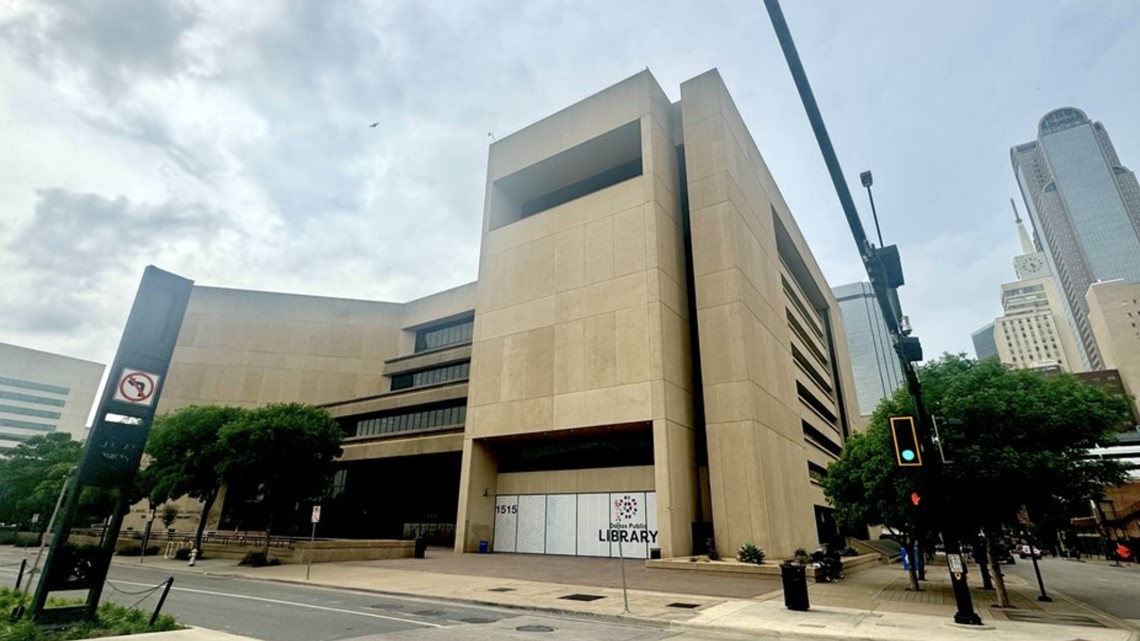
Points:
[(228, 140)]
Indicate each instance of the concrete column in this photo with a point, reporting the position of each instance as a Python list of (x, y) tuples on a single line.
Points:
[(477, 489)]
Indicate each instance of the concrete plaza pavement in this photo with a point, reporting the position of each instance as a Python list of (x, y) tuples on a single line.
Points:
[(870, 604)]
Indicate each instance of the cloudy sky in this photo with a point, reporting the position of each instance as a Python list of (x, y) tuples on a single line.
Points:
[(228, 141)]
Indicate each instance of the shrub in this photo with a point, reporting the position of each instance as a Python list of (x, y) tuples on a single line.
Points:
[(133, 550), (750, 553), (850, 551), (258, 560), (26, 541), (183, 554)]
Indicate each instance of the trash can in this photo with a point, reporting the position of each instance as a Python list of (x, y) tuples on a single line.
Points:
[(483, 547), (795, 586), (655, 553), (421, 547)]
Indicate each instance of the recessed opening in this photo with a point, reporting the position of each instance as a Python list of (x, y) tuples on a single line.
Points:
[(611, 158)]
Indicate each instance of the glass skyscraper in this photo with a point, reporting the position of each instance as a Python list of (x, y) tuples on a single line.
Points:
[(1085, 208), (874, 362)]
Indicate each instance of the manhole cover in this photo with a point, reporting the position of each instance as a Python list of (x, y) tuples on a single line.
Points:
[(478, 620), (535, 628), (581, 597), (685, 606), (428, 613), (385, 606), (501, 590)]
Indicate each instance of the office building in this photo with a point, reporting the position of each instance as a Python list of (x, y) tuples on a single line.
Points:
[(649, 358), (41, 393), (1085, 207), (985, 345), (1114, 317), (874, 362)]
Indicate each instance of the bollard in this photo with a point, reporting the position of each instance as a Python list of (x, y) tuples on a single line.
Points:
[(193, 557)]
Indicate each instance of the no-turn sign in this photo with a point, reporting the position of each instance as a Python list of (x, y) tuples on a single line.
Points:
[(136, 387)]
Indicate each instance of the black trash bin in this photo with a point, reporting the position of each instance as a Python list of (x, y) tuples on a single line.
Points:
[(795, 586), (421, 547)]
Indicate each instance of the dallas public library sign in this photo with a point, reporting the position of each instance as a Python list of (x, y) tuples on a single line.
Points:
[(115, 446)]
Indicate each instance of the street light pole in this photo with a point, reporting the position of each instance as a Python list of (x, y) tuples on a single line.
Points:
[(879, 264)]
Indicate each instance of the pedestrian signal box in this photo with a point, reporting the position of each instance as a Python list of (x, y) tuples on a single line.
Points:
[(905, 437)]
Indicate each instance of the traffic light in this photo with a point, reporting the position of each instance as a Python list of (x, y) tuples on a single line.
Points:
[(905, 437)]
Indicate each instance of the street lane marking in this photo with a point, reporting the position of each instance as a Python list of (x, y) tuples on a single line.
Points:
[(303, 605)]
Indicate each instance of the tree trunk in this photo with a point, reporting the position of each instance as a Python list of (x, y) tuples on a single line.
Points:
[(268, 533), (207, 505), (995, 570)]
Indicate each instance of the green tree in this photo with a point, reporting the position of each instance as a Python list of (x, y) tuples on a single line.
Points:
[(1021, 438), (186, 456), (33, 475), (285, 449)]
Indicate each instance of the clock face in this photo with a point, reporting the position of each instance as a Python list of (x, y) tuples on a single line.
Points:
[(1034, 265)]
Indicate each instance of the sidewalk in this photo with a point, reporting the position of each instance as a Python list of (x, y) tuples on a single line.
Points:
[(871, 604)]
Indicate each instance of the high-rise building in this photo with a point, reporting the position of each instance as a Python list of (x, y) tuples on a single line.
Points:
[(1114, 315), (985, 346), (651, 357), (41, 393), (1032, 331), (874, 362), (1085, 207)]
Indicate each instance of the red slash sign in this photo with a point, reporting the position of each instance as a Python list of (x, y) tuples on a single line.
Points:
[(136, 387)]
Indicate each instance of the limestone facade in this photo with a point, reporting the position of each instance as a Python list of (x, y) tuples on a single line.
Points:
[(648, 327)]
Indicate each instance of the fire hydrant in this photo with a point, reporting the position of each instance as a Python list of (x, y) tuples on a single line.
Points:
[(193, 556)]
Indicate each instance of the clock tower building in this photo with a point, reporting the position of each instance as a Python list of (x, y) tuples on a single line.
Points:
[(1032, 332)]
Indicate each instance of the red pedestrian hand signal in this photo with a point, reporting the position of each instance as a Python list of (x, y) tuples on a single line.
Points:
[(915, 498)]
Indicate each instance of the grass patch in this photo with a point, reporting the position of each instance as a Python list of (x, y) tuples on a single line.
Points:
[(111, 619)]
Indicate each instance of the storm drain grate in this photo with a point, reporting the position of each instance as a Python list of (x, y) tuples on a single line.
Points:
[(535, 628), (684, 606), (478, 620), (581, 597), (1053, 618), (501, 590)]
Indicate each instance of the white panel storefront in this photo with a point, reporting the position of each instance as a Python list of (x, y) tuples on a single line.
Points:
[(506, 522), (597, 524)]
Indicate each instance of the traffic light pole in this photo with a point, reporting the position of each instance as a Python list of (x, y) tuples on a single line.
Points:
[(877, 263)]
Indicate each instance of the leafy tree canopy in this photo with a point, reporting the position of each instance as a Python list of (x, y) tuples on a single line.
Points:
[(185, 451), (285, 448), (1022, 440), (187, 456), (33, 475)]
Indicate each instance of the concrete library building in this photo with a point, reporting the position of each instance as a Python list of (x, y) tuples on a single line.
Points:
[(649, 361)]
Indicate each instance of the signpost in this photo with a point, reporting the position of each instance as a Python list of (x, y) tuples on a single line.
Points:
[(312, 539), (114, 448)]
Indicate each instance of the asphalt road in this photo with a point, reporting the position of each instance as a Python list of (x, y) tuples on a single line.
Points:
[(1110, 589), (287, 612)]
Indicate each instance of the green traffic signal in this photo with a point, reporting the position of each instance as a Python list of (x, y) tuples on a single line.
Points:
[(905, 437)]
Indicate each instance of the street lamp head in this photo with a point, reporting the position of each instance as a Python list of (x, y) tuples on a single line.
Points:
[(866, 178)]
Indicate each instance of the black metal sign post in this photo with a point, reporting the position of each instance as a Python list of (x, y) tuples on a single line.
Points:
[(115, 446)]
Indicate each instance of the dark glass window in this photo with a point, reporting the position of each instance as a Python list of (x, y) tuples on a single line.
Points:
[(444, 416), (454, 333), (39, 387), (433, 376)]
